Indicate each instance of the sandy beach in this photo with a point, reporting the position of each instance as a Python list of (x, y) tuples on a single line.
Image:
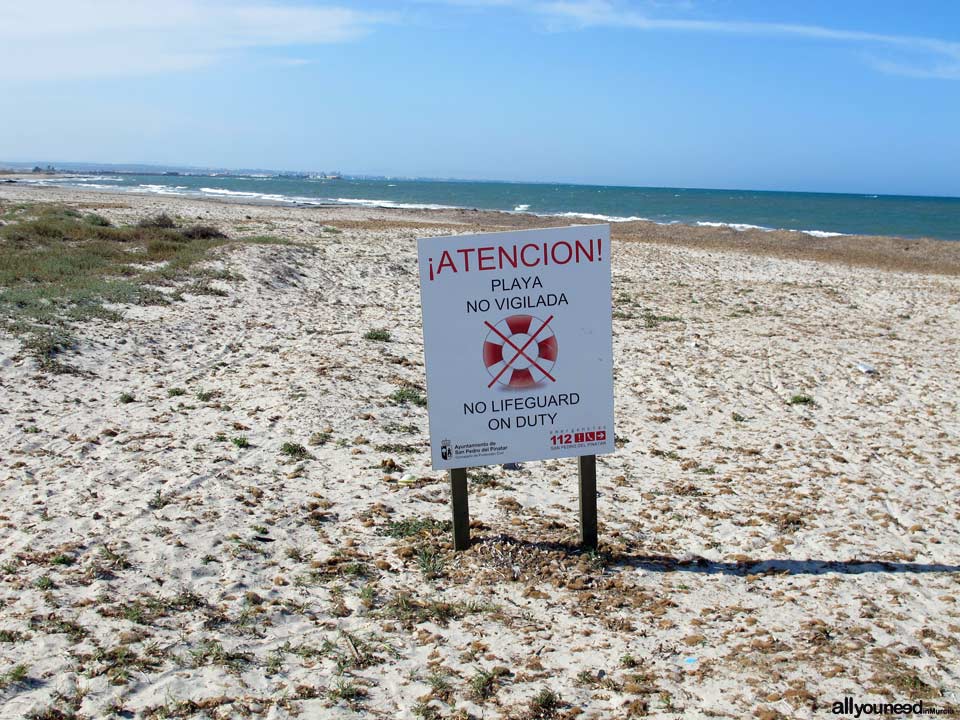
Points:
[(227, 508)]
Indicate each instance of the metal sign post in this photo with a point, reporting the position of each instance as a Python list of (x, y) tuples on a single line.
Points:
[(460, 508), (587, 470)]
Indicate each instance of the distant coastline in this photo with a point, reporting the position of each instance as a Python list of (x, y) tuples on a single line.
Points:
[(819, 215), (930, 256)]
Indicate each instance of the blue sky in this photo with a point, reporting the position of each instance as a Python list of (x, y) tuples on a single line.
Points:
[(849, 96)]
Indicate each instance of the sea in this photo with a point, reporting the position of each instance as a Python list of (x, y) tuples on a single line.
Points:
[(816, 214)]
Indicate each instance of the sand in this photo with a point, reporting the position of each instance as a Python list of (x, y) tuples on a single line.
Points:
[(759, 558)]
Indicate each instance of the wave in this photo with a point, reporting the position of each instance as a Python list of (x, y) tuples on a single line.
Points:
[(159, 189), (823, 233), (521, 208), (601, 218), (741, 227), (268, 197), (364, 202)]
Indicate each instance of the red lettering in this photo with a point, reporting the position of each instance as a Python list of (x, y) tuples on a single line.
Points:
[(553, 252), (446, 261), (584, 251), (523, 256), (465, 252), (485, 258)]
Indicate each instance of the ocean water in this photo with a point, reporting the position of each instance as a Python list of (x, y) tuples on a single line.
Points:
[(818, 214)]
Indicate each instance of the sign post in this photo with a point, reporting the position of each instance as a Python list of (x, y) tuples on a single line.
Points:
[(587, 470), (460, 507), (518, 346)]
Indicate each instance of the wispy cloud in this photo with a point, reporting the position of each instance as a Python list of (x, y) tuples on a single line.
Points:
[(928, 57), (66, 39), (892, 54)]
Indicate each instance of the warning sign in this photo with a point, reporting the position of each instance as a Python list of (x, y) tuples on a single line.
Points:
[(518, 344)]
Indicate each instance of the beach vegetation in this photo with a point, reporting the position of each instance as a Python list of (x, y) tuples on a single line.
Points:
[(206, 395), (737, 417), (296, 553), (320, 438), (544, 704), (801, 399), (396, 448), (440, 684), (114, 560), (241, 442), (53, 624), (162, 221), (44, 583), (431, 562), (95, 219), (409, 527), (294, 450), (14, 676), (410, 610), (119, 663), (346, 690), (159, 500), (652, 319), (378, 334), (176, 392), (483, 684), (368, 594), (398, 428), (425, 711), (127, 398), (212, 652), (205, 287), (59, 268), (408, 394)]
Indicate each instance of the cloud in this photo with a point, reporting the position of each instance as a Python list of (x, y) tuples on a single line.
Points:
[(69, 39), (916, 56), (927, 57)]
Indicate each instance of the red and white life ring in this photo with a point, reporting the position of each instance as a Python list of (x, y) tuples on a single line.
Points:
[(520, 351)]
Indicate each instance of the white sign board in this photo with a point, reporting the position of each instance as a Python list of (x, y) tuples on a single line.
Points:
[(518, 339)]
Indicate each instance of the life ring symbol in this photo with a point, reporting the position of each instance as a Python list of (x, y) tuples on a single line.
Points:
[(520, 351)]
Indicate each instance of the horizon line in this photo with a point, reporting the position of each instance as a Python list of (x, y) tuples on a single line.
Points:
[(5, 164)]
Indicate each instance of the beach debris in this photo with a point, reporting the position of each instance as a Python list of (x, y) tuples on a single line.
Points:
[(512, 466), (866, 369)]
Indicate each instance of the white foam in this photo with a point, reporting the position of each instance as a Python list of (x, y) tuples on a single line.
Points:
[(224, 191), (601, 218), (745, 226), (521, 208), (822, 233), (244, 194), (741, 227), (365, 202)]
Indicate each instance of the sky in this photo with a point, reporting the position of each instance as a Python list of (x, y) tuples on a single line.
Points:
[(853, 96)]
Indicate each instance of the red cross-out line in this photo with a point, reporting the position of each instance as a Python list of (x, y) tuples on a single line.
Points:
[(520, 352)]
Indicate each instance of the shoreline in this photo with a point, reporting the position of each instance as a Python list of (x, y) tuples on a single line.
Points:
[(893, 253)]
